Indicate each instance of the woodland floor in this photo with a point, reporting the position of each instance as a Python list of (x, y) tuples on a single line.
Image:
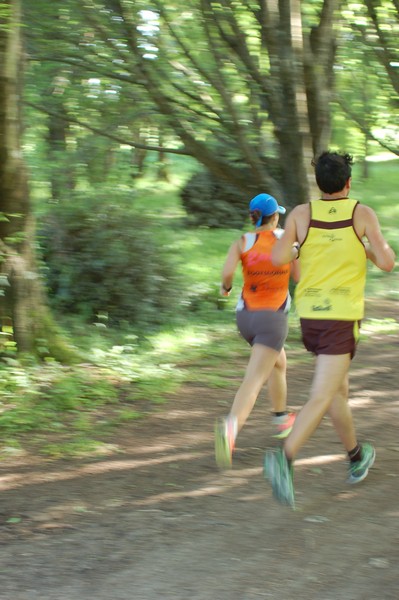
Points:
[(157, 520)]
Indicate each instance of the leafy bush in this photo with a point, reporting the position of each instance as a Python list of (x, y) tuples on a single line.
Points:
[(214, 203), (102, 260)]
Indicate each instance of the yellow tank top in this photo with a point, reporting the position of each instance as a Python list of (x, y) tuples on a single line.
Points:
[(333, 264)]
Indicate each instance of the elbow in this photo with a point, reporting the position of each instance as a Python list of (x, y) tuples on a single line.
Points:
[(384, 260), (390, 267), (387, 265), (389, 262)]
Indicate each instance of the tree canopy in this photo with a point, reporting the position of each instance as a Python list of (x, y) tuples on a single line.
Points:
[(232, 84)]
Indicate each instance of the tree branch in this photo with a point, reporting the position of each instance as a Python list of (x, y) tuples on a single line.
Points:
[(365, 128), (111, 136)]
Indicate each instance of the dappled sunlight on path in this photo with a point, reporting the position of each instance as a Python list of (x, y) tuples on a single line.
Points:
[(154, 519)]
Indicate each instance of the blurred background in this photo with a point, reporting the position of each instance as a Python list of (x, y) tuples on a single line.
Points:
[(133, 134)]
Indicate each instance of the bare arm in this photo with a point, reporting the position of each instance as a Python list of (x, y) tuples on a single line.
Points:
[(229, 267), (283, 252), (377, 248), (295, 270)]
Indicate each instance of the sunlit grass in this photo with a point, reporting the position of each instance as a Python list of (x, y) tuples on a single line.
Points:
[(378, 326), (172, 343), (379, 192)]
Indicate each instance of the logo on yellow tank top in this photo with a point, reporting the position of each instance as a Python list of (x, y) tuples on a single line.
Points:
[(326, 306), (331, 237)]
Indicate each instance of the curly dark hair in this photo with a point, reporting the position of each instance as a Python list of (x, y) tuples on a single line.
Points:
[(332, 171)]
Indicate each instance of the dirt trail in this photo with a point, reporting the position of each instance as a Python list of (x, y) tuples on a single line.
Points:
[(157, 520)]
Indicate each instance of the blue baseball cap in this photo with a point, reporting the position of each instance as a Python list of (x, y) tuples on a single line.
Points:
[(266, 205)]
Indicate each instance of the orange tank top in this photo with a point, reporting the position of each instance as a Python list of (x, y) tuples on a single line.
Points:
[(265, 285)]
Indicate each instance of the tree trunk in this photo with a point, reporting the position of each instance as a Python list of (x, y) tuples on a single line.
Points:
[(245, 86), (23, 299), (291, 112), (61, 178)]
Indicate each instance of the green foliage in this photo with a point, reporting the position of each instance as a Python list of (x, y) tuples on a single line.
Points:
[(23, 418), (101, 259), (378, 191), (213, 203), (127, 373), (32, 399), (76, 447), (77, 390), (80, 406), (367, 81), (5, 15), (206, 79)]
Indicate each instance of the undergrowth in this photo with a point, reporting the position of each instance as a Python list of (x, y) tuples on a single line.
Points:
[(124, 374)]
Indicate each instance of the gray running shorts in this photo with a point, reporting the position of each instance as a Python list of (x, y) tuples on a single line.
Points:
[(266, 327)]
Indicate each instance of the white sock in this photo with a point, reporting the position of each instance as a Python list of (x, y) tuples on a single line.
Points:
[(280, 420)]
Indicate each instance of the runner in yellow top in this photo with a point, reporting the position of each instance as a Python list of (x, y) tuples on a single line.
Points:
[(329, 300), (262, 319), (332, 279)]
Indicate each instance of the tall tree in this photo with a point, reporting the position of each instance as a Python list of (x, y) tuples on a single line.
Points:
[(238, 84), (23, 302), (368, 78), (243, 87)]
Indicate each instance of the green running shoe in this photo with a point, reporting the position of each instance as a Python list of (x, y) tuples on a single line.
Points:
[(224, 443), (280, 474), (358, 470)]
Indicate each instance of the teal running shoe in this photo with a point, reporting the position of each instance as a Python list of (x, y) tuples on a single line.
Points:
[(281, 476), (358, 470)]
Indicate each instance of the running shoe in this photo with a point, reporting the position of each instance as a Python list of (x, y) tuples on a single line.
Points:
[(358, 470), (284, 428), (224, 443), (280, 473)]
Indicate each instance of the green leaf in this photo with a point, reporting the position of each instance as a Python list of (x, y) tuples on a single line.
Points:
[(13, 520)]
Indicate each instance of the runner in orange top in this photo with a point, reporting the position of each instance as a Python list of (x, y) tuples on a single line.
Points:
[(262, 319)]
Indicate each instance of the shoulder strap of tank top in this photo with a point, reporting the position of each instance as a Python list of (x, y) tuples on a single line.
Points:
[(249, 241)]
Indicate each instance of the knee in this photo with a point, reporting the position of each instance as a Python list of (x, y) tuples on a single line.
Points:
[(281, 362)]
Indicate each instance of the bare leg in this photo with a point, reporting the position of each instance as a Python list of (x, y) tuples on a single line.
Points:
[(260, 365), (277, 384), (330, 372), (341, 416)]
